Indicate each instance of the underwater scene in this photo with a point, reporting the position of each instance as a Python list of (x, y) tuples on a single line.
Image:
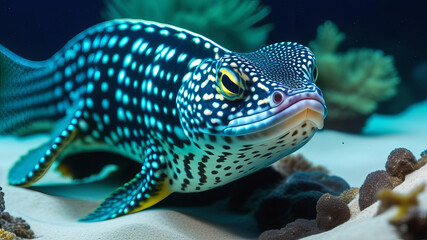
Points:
[(213, 119)]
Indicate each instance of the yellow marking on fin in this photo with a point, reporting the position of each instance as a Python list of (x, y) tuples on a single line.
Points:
[(66, 170), (163, 192)]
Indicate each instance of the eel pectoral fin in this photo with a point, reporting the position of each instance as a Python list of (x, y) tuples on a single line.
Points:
[(32, 166), (143, 191), (134, 196)]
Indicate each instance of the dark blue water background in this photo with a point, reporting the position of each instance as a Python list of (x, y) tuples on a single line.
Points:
[(37, 29)]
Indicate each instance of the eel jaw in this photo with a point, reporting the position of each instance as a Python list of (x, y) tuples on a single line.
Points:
[(305, 110), (306, 115), (309, 116)]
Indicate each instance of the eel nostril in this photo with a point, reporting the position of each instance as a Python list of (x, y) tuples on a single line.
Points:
[(278, 97)]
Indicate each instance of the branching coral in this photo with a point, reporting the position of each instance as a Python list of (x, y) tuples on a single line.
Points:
[(327, 40), (228, 22), (389, 198), (5, 235), (353, 82)]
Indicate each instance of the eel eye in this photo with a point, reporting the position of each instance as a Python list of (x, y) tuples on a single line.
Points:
[(315, 73), (229, 84)]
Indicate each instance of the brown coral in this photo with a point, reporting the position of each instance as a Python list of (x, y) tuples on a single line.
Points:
[(295, 230), (294, 163), (2, 206), (331, 212), (349, 195), (400, 162), (389, 198), (375, 182), (11, 224)]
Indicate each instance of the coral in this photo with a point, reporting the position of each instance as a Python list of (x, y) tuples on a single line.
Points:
[(5, 235), (294, 163), (298, 229), (11, 224), (228, 22), (2, 204), (242, 195), (413, 225), (353, 82), (400, 162), (331, 184), (423, 160), (373, 183), (331, 212), (296, 198), (349, 195), (389, 198), (328, 39), (248, 192)]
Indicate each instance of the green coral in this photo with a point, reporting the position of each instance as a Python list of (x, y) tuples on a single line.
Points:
[(228, 22), (328, 38), (355, 81)]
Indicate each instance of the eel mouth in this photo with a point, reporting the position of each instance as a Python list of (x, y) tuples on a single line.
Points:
[(280, 119)]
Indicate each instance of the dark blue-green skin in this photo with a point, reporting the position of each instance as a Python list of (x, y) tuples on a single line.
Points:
[(150, 92)]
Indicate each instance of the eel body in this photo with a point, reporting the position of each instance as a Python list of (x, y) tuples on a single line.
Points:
[(195, 115)]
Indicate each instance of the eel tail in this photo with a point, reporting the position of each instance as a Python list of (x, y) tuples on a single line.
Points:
[(31, 96)]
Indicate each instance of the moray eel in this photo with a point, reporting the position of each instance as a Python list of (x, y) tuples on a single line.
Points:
[(194, 114)]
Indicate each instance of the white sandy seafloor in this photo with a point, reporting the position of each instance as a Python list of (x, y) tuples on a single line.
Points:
[(349, 156)]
